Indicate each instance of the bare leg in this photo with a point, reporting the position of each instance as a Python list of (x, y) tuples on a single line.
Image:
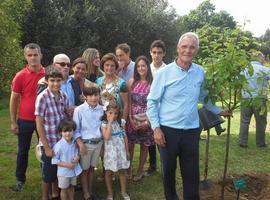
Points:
[(108, 180), (143, 156), (123, 181), (85, 183), (64, 194), (45, 190), (131, 152), (55, 189), (70, 193), (90, 179)]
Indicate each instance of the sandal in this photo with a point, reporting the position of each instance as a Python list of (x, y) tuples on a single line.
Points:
[(109, 198), (138, 177)]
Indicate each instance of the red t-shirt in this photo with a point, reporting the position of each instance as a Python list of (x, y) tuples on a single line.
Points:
[(25, 83)]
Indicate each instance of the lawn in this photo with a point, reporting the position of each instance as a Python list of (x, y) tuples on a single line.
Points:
[(241, 161)]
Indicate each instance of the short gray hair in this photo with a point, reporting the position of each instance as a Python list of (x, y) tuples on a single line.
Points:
[(59, 56), (32, 46), (190, 35)]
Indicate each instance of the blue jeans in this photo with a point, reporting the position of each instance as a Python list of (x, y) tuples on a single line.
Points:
[(185, 145), (26, 129)]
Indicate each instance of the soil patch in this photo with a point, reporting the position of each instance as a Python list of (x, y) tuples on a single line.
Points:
[(257, 188)]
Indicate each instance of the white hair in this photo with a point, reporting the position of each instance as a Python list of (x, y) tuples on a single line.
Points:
[(60, 56), (190, 35)]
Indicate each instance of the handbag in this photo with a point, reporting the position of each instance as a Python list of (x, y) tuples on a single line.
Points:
[(140, 118)]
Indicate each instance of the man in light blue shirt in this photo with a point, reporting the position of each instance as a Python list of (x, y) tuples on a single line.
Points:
[(126, 65), (172, 109), (257, 88)]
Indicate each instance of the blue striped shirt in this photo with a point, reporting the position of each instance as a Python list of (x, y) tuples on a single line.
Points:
[(174, 97)]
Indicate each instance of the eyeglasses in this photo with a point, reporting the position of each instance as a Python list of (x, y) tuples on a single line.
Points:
[(63, 64)]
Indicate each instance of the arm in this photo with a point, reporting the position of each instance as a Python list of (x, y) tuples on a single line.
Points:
[(126, 147), (153, 101), (124, 96), (42, 136), (77, 134), (107, 131), (14, 105), (131, 120)]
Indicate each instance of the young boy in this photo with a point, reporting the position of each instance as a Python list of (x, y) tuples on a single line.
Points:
[(88, 136), (50, 109), (67, 159)]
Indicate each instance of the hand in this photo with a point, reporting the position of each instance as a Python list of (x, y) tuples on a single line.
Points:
[(82, 148), (76, 159), (70, 165), (14, 128), (49, 152), (110, 117), (159, 137), (144, 125), (70, 110), (226, 113)]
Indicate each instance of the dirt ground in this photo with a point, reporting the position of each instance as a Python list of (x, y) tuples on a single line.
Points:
[(257, 188)]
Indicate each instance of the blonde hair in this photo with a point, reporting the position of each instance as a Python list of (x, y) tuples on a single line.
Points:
[(89, 55)]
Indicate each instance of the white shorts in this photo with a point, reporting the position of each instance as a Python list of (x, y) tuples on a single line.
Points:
[(91, 158), (65, 182)]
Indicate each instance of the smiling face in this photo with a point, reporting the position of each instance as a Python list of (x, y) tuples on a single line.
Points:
[(96, 60), (187, 50), (122, 57), (54, 84), (63, 65), (109, 68), (67, 135), (79, 71), (142, 68), (33, 57)]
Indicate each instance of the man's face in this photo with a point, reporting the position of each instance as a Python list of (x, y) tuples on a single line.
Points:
[(33, 57), (63, 65), (122, 57), (54, 84), (187, 50), (157, 55)]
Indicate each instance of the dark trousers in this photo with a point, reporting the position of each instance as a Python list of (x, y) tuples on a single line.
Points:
[(185, 145), (152, 157), (26, 129)]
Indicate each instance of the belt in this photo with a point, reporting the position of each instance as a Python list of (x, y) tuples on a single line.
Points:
[(92, 141)]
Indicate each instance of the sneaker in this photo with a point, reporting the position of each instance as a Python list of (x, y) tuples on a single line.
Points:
[(17, 187), (149, 172)]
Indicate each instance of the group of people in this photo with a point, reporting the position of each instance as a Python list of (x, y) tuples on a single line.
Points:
[(103, 109)]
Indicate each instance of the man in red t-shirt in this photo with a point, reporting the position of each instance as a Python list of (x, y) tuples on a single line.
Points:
[(23, 96)]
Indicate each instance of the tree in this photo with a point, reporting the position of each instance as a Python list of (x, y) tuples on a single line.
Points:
[(11, 54), (228, 53), (265, 43), (205, 14), (70, 26)]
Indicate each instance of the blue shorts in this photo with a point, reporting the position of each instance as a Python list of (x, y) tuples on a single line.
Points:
[(49, 171)]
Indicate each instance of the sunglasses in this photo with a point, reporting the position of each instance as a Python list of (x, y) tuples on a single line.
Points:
[(63, 64)]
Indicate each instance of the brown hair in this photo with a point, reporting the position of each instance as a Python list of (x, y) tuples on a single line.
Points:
[(91, 90), (112, 105), (124, 47), (136, 75), (79, 60), (106, 57)]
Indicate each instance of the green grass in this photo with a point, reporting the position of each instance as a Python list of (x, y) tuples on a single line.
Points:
[(241, 161)]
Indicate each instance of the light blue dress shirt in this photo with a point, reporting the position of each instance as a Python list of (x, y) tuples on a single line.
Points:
[(67, 88), (127, 74), (257, 82), (174, 97), (66, 152), (88, 121)]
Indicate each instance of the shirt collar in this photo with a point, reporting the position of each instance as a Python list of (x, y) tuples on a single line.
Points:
[(90, 107), (30, 71), (191, 68)]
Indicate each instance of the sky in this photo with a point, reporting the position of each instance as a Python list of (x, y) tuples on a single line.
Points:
[(256, 13)]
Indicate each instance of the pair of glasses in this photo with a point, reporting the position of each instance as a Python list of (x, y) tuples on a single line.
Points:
[(63, 64)]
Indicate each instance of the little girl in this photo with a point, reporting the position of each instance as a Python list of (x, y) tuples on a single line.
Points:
[(116, 154), (67, 159)]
